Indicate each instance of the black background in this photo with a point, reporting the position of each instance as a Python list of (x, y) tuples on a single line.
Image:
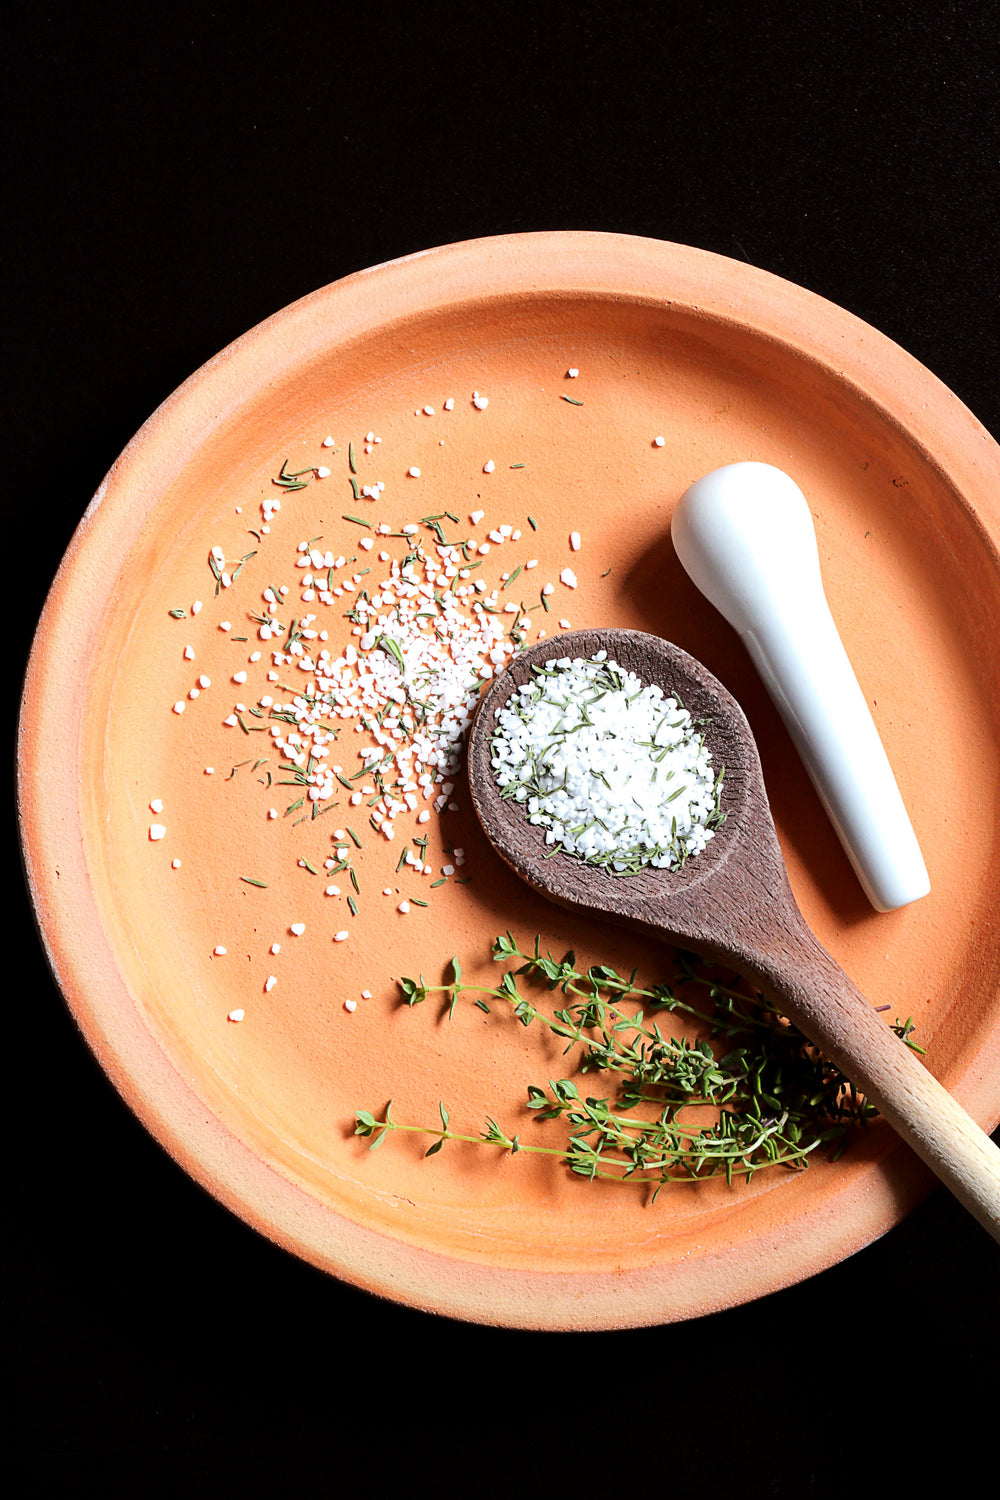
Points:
[(176, 174)]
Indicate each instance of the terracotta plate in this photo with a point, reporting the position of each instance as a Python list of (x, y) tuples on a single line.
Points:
[(725, 363)]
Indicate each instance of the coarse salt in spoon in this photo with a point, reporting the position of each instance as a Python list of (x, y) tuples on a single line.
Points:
[(733, 903), (745, 536)]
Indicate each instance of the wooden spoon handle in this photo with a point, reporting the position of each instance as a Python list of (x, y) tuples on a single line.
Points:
[(818, 997)]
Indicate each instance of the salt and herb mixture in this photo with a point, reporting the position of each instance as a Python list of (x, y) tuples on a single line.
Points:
[(617, 773), (361, 655), (409, 684)]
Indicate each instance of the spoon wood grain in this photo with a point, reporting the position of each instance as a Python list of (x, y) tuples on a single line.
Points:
[(733, 903)]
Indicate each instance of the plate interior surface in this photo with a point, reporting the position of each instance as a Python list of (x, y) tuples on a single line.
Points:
[(723, 362)]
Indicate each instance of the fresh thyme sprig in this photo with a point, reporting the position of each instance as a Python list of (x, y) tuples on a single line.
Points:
[(772, 1098)]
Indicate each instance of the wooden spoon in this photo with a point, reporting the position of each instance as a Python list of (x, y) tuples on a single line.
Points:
[(734, 904)]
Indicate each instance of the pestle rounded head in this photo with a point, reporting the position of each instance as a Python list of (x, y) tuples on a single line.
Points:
[(745, 537)]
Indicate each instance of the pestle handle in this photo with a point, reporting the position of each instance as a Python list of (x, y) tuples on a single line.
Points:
[(745, 536)]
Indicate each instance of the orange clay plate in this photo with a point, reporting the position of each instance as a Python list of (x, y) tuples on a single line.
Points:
[(724, 362)]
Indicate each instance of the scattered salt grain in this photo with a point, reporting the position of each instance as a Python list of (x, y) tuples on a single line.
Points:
[(156, 805), (568, 577), (350, 1005), (269, 983), (236, 1015), (298, 928), (157, 832), (219, 951), (659, 441), (341, 937), (574, 540)]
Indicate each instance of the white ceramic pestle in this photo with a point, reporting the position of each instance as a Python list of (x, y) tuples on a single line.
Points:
[(745, 536)]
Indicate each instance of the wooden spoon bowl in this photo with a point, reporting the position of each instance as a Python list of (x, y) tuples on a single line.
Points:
[(733, 903)]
